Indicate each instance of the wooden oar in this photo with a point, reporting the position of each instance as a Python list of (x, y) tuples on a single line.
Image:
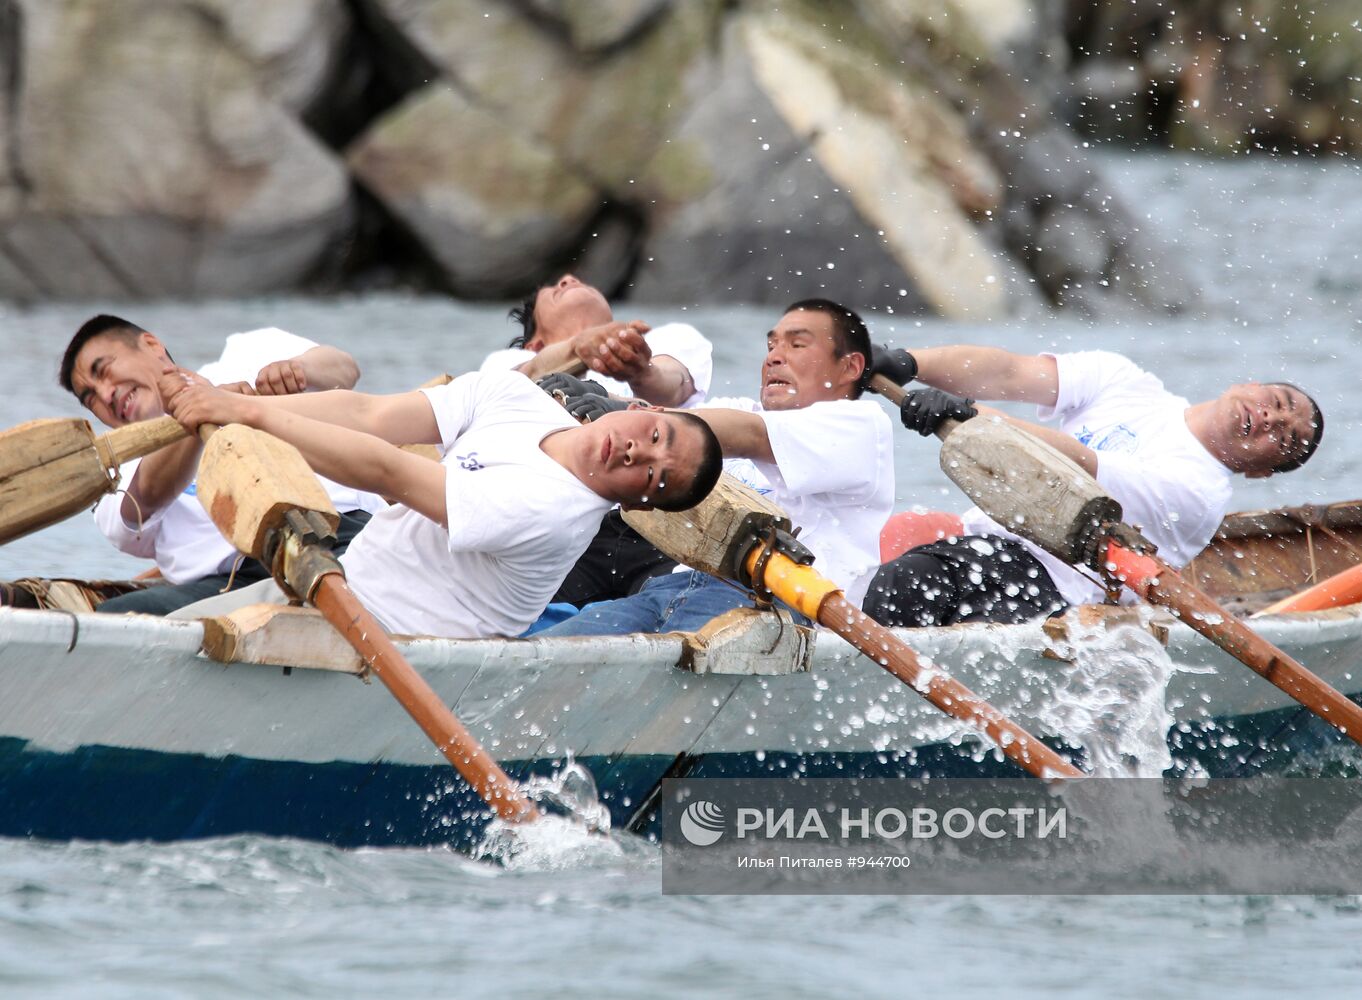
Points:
[(1036, 492), (267, 502), (737, 534), (51, 469)]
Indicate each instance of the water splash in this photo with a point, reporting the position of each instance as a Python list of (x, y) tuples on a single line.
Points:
[(572, 832), (1113, 699)]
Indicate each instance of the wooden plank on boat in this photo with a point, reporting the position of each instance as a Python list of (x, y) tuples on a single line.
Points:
[(1291, 520), (279, 635), (747, 641)]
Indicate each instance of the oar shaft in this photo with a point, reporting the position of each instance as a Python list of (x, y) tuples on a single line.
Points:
[(340, 607), (1155, 581), (805, 589), (888, 388), (896, 394), (123, 444)]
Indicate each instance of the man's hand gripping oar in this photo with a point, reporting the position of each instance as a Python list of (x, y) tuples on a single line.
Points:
[(737, 534), (1043, 496)]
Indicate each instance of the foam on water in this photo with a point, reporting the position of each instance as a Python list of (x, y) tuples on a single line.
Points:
[(1113, 700), (573, 829)]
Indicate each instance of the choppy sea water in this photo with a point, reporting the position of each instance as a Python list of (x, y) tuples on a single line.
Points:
[(1274, 245)]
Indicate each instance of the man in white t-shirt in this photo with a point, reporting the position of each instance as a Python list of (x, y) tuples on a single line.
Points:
[(1167, 462), (113, 368), (822, 454), (670, 366), (481, 539)]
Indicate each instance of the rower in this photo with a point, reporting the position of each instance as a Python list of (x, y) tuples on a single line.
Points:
[(113, 367), (821, 453), (1167, 462), (570, 320), (481, 539)]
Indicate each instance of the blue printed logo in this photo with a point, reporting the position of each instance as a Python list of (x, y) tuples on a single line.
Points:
[(469, 461), (1120, 439)]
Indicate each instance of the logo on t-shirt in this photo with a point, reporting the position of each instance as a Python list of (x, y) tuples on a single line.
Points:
[(745, 471), (1119, 439), (469, 461)]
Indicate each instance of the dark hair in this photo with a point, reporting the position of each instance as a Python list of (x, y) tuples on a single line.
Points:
[(1316, 421), (97, 326), (706, 473), (850, 335), (524, 315)]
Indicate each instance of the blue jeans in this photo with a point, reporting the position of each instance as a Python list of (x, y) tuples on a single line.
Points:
[(673, 602)]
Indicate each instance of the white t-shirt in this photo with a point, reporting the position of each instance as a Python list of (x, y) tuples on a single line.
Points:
[(517, 520), (181, 537), (834, 476), (673, 340), (1167, 483)]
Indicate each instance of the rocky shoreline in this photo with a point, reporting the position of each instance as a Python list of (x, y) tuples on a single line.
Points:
[(899, 156)]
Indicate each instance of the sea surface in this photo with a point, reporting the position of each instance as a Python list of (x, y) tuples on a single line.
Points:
[(1275, 247)]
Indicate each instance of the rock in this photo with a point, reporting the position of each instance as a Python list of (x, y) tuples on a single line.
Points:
[(593, 25), (294, 46), (811, 169), (491, 204), (606, 118), (1070, 249), (154, 162)]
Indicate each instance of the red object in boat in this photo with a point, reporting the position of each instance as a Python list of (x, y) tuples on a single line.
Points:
[(908, 529)]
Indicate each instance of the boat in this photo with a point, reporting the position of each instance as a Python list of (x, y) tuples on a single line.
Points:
[(124, 728)]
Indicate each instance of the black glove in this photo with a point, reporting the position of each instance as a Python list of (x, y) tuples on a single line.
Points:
[(924, 410), (590, 407), (569, 386), (894, 363)]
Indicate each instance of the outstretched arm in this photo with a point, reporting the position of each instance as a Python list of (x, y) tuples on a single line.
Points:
[(620, 351), (989, 373), (664, 382), (317, 368), (338, 450), (400, 418), (741, 434)]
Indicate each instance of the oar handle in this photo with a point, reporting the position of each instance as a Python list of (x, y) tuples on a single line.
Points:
[(130, 441), (896, 394), (1157, 582)]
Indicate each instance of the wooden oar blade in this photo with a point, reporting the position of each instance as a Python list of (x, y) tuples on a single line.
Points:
[(49, 470)]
